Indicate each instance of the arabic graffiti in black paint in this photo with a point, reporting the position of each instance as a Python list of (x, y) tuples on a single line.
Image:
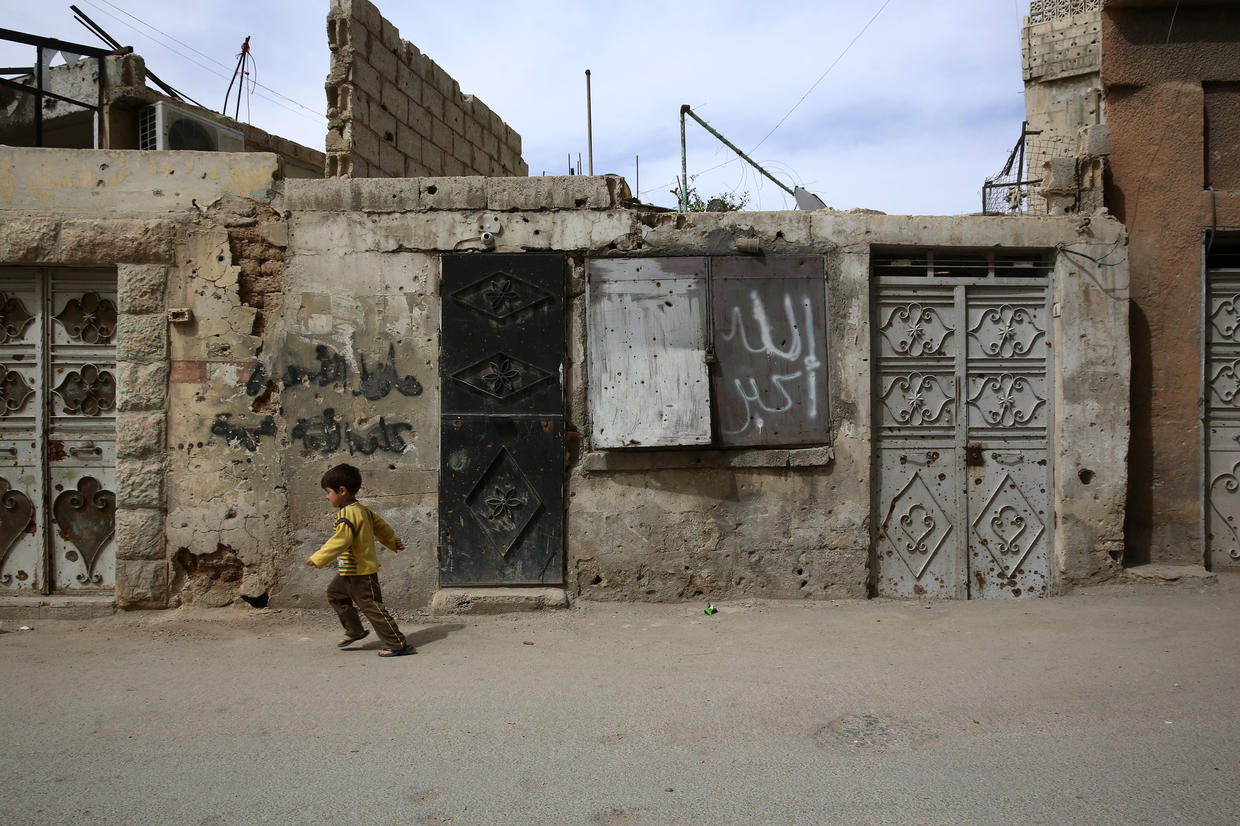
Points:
[(378, 384), (375, 384), (326, 434), (247, 437), (332, 368)]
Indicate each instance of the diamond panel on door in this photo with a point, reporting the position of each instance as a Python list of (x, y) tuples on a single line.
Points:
[(502, 420), (918, 547), (501, 502)]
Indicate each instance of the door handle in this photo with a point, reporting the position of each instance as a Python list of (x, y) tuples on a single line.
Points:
[(8, 451), (85, 450), (1006, 457)]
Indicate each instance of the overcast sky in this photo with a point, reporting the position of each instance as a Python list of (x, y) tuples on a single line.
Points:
[(911, 119)]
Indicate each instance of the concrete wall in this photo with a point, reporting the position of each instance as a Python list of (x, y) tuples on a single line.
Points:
[(314, 340), (1156, 106), (394, 113), (1061, 64)]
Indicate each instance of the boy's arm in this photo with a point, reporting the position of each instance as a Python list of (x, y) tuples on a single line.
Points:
[(385, 534), (334, 547)]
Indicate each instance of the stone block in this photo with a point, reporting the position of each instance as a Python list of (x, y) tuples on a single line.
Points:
[(140, 288), (310, 195), (92, 242), (141, 583), (385, 63), (140, 533), (141, 387), (140, 434), (139, 484), (28, 240), (142, 338)]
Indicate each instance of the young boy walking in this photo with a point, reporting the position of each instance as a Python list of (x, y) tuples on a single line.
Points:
[(356, 585)]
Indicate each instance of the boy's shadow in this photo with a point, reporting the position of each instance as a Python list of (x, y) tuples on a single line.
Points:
[(419, 638)]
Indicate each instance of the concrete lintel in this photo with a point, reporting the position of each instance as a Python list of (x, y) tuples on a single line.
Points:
[(496, 600), (56, 607)]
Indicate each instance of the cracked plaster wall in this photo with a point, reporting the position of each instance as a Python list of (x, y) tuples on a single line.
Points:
[(646, 526), (223, 425)]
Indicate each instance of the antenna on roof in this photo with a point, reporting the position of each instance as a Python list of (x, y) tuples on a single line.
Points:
[(240, 72)]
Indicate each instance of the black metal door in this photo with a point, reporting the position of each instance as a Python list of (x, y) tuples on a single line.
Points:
[(502, 420)]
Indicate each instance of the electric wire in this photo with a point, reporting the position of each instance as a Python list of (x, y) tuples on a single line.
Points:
[(317, 116), (794, 107)]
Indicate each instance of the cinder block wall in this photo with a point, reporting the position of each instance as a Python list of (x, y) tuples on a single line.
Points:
[(394, 113)]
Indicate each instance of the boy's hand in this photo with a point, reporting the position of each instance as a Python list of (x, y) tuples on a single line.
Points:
[(399, 546), (310, 562)]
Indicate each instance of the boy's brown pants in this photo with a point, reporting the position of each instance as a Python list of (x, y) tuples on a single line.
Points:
[(349, 594)]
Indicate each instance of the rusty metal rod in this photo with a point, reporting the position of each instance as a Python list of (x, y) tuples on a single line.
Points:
[(589, 124), (685, 110)]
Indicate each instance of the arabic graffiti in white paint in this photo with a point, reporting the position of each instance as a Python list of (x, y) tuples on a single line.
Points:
[(789, 372)]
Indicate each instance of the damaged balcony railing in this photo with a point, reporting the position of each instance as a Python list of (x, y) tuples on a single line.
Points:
[(1042, 11), (1006, 192), (46, 49)]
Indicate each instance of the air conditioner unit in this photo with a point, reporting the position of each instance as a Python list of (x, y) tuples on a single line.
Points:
[(164, 126)]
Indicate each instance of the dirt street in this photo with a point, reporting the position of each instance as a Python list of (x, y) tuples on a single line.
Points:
[(1118, 705)]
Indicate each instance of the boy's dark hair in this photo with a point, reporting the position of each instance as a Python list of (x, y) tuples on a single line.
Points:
[(342, 476)]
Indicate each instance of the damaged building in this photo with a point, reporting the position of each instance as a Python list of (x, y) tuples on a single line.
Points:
[(552, 390)]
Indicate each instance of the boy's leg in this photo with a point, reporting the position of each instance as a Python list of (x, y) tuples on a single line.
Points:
[(338, 594), (365, 592)]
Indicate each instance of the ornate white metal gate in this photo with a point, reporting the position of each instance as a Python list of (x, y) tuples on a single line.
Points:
[(962, 415), (1222, 431), (57, 430)]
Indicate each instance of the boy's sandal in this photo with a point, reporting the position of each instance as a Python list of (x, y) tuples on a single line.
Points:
[(397, 652), (347, 641)]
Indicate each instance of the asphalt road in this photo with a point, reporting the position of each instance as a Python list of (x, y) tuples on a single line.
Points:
[(1117, 705)]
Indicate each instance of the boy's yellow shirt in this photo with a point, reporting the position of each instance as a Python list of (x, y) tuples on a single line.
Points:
[(353, 543)]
